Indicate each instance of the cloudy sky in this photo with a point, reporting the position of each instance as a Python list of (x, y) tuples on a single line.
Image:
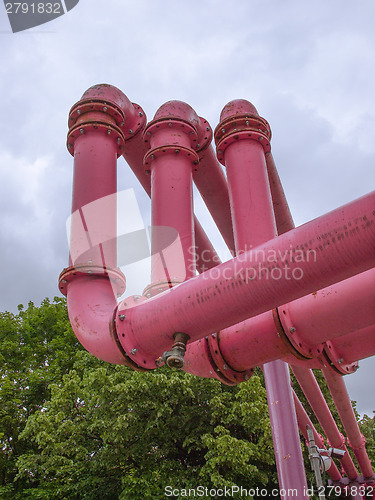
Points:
[(308, 67)]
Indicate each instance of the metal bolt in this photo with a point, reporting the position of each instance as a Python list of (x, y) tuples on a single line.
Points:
[(122, 124), (223, 130), (148, 172), (148, 295), (118, 140), (122, 317), (69, 146), (105, 109), (130, 131), (78, 111), (247, 122), (292, 330), (81, 130), (140, 114), (340, 360), (134, 351), (207, 128), (152, 157), (177, 151), (109, 132), (225, 367), (63, 281)]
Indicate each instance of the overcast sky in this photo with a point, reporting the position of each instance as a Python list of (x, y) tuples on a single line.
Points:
[(308, 67)]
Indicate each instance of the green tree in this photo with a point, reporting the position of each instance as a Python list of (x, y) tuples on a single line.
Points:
[(109, 432), (37, 347)]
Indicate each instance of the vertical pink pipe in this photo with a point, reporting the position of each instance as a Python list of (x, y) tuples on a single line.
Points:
[(313, 393), (303, 421), (343, 404), (171, 212), (94, 201), (253, 224), (134, 151)]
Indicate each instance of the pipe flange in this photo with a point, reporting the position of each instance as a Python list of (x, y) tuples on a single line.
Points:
[(128, 360), (336, 361), (130, 130), (174, 124), (71, 273), (222, 367), (361, 446), (303, 349), (88, 105), (127, 338), (160, 286), (178, 151), (205, 135), (239, 127), (96, 126)]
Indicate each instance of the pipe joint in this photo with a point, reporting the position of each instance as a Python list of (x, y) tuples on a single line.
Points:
[(171, 136), (241, 122), (360, 446), (161, 286), (336, 361), (289, 333), (104, 108), (115, 276), (224, 371)]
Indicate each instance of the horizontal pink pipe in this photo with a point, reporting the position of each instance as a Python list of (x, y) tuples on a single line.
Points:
[(303, 421), (314, 395), (356, 345), (212, 185), (91, 303), (256, 340), (344, 407), (336, 310), (342, 243)]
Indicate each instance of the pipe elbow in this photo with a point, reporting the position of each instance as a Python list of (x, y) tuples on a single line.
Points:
[(238, 107), (178, 110), (91, 305)]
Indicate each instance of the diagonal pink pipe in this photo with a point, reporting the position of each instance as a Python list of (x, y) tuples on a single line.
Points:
[(314, 395), (343, 404), (303, 421)]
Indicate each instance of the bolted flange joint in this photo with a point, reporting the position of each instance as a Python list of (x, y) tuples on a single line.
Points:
[(240, 120), (72, 273), (105, 109), (175, 357)]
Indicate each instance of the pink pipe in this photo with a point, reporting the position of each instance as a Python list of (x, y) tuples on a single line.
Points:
[(284, 219), (91, 302), (313, 393), (227, 295), (92, 281), (343, 404), (286, 442), (171, 160), (212, 185), (350, 307), (253, 224), (356, 345), (93, 237), (134, 152), (257, 340), (303, 421)]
